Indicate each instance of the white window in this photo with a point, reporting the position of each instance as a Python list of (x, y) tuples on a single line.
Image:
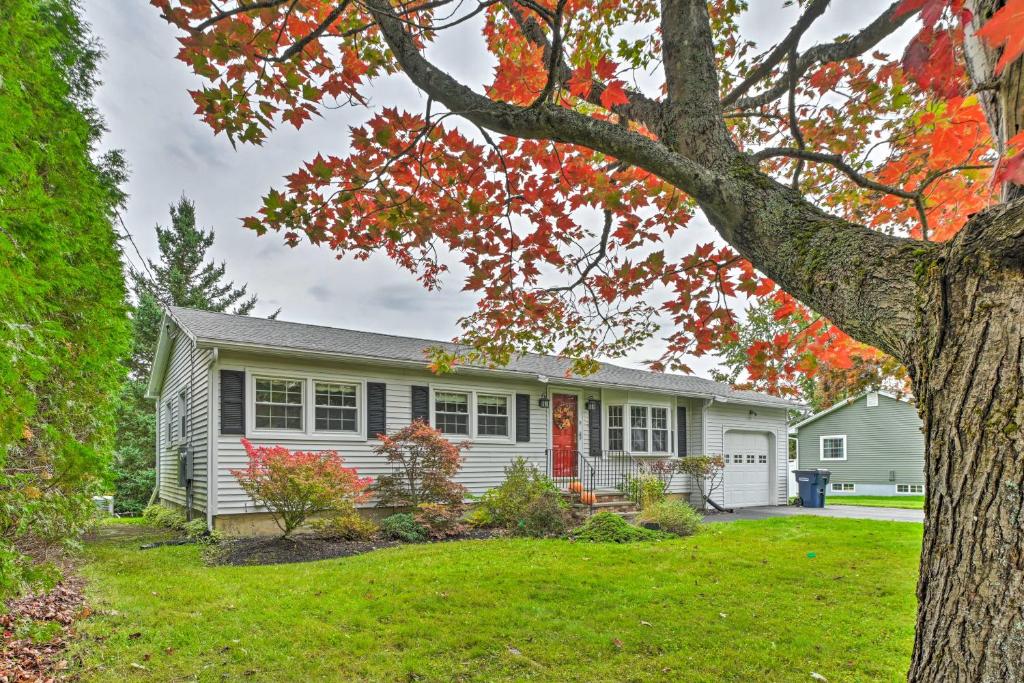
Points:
[(833, 447), (279, 404), (913, 489), (182, 415), (762, 459), (616, 435), (726, 458), (837, 486), (169, 421), (336, 407), (750, 458), (659, 430), (491, 415), (451, 412), (638, 428)]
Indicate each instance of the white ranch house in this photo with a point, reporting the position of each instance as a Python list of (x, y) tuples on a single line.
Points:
[(218, 378)]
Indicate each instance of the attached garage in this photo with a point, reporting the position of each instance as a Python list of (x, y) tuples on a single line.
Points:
[(748, 463)]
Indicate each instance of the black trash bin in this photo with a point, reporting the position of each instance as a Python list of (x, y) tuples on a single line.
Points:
[(812, 485)]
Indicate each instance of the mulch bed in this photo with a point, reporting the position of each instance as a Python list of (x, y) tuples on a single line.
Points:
[(21, 659), (255, 551)]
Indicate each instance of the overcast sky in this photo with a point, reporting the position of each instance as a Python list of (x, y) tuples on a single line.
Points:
[(144, 99)]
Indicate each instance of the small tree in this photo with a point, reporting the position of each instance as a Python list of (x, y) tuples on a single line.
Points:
[(294, 485), (423, 464), (707, 472)]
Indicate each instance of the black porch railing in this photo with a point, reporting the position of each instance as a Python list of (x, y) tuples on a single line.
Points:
[(608, 473)]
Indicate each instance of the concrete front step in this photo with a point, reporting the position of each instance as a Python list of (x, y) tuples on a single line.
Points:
[(612, 505)]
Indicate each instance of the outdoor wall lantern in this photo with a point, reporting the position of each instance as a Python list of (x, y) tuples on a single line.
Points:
[(592, 403), (543, 402)]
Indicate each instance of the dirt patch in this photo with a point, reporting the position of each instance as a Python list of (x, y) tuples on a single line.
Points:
[(256, 551), (36, 629)]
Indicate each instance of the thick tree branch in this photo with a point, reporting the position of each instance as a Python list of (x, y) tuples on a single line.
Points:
[(787, 46), (861, 279), (825, 53)]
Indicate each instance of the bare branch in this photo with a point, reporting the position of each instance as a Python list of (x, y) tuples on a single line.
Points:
[(825, 53), (787, 46)]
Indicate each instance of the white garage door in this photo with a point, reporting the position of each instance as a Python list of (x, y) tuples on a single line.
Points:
[(747, 474)]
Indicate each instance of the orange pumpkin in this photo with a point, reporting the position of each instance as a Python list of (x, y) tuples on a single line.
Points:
[(588, 498), (576, 487)]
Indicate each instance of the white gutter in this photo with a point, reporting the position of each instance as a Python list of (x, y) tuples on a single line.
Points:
[(422, 365)]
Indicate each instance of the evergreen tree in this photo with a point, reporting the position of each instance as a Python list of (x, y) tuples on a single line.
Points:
[(182, 276)]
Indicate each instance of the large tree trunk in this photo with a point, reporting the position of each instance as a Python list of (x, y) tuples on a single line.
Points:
[(968, 374)]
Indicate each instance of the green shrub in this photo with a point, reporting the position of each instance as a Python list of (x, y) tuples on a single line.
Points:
[(608, 527), (673, 516), (439, 520), (645, 489), (403, 527), (527, 502), (165, 517), (545, 515), (347, 526)]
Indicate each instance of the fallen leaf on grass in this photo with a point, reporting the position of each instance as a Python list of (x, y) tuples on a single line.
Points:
[(818, 677), (645, 623)]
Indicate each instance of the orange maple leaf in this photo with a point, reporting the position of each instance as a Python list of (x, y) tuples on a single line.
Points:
[(1006, 28)]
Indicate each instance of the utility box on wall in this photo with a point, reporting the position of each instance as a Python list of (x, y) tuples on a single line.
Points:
[(185, 468)]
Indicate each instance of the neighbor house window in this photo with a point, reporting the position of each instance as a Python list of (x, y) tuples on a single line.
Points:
[(833, 447), (638, 428), (491, 415), (837, 486), (616, 433), (451, 412), (659, 430), (910, 488), (336, 407), (278, 403)]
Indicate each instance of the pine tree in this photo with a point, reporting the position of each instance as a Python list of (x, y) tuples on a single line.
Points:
[(182, 276)]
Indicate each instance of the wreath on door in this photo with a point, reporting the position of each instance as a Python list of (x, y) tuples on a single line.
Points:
[(563, 416)]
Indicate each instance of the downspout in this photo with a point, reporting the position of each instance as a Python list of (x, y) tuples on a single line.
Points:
[(188, 438), (211, 448)]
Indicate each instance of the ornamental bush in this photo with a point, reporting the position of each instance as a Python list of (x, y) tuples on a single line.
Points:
[(645, 489), (673, 516), (440, 521), (346, 526), (423, 466), (403, 527), (527, 502), (608, 527), (294, 485)]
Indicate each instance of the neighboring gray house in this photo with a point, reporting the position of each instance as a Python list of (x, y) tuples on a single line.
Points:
[(872, 444), (218, 378)]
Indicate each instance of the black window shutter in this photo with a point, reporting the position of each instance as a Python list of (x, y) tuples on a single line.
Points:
[(522, 417), (376, 409), (594, 418), (681, 430), (421, 404), (232, 402)]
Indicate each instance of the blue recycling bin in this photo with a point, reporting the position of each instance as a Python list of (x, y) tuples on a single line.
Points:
[(812, 485)]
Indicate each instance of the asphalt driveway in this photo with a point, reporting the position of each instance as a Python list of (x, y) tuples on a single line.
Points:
[(841, 511)]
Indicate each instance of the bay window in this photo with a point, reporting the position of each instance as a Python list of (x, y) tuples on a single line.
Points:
[(648, 429), (616, 436), (659, 429), (638, 428)]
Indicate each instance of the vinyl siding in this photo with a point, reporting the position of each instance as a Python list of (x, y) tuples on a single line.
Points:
[(483, 464), (187, 370), (884, 443), (725, 417)]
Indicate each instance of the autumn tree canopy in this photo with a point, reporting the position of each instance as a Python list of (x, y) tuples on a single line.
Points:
[(866, 194)]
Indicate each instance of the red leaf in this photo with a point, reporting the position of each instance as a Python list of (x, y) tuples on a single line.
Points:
[(1006, 28), (613, 95)]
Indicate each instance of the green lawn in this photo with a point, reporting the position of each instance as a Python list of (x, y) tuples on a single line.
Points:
[(770, 600), (903, 502)]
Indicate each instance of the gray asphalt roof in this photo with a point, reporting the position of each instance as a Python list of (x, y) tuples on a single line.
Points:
[(221, 327)]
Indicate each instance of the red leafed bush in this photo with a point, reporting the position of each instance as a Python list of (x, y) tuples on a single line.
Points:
[(423, 464), (294, 485)]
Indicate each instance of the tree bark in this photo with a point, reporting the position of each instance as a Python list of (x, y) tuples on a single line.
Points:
[(968, 376)]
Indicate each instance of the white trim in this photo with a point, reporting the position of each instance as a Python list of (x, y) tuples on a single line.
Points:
[(821, 447), (627, 439), (910, 490), (473, 393), (832, 487), (309, 379)]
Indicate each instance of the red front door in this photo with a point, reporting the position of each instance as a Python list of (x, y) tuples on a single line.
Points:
[(564, 421)]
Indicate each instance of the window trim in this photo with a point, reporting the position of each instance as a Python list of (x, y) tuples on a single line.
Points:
[(473, 393), (832, 487), (309, 378), (910, 490), (359, 406), (181, 416), (509, 427), (627, 427), (821, 447)]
